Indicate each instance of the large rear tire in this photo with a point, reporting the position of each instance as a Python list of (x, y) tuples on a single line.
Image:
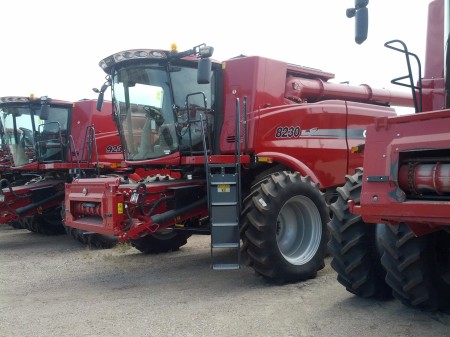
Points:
[(284, 230), (161, 242), (353, 246), (418, 268), (48, 223)]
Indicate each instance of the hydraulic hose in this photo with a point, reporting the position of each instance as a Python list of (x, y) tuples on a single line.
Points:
[(26, 208), (163, 217), (8, 185)]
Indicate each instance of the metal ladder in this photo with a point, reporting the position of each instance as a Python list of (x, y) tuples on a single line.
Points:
[(89, 151), (224, 202), (224, 211)]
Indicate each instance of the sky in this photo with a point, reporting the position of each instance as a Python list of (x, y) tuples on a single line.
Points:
[(52, 48)]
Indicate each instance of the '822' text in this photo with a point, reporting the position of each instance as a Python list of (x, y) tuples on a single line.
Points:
[(113, 148)]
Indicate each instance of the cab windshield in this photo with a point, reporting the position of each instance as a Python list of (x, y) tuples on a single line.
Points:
[(150, 104), (22, 124)]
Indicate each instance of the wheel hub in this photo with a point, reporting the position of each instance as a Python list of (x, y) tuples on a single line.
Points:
[(299, 230)]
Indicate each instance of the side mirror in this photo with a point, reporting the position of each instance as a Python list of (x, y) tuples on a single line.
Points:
[(45, 101), (204, 71), (361, 25), (100, 101), (44, 112), (101, 94), (361, 14)]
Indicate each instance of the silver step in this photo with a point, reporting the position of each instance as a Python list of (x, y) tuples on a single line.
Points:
[(224, 210)]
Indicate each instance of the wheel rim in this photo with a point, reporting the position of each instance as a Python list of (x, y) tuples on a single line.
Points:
[(299, 230)]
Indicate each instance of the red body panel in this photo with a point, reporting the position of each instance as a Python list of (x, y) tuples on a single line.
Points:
[(98, 205), (102, 191), (392, 144), (85, 114), (328, 130), (314, 114)]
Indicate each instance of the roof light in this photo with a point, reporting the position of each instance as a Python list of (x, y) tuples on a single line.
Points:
[(14, 99), (133, 54)]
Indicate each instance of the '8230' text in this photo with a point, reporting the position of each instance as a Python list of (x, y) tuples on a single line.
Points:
[(288, 132)]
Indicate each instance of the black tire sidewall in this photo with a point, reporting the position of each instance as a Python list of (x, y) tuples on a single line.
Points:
[(289, 185)]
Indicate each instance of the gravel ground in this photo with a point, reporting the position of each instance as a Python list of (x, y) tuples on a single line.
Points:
[(53, 286)]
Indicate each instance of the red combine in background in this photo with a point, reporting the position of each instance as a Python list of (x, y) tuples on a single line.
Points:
[(46, 143), (391, 224)]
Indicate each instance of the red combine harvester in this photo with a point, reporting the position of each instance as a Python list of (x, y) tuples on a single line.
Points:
[(391, 224), (45, 144), (259, 145)]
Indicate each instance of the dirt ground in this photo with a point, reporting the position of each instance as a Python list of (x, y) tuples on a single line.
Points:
[(54, 286)]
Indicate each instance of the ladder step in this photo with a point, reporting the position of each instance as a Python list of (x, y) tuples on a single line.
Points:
[(225, 266), (225, 245), (218, 179), (218, 203), (224, 224), (223, 182), (222, 165), (224, 235)]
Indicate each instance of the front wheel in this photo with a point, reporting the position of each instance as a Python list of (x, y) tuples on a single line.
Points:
[(92, 240), (161, 242), (285, 227)]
